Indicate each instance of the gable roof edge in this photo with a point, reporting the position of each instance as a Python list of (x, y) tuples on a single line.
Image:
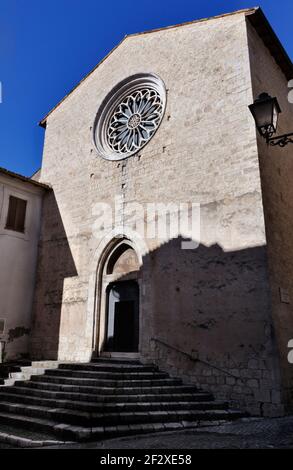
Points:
[(43, 122), (270, 39), (249, 12)]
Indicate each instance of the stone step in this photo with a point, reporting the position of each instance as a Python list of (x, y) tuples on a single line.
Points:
[(8, 382), (105, 367), (27, 422), (81, 433), (109, 390), (96, 433), (7, 367), (113, 360), (104, 382), (100, 407), (80, 418), (24, 372), (107, 375), (84, 397)]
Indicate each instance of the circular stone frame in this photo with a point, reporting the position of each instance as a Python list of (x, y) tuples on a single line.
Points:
[(112, 101)]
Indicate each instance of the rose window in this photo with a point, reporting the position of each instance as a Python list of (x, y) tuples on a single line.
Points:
[(129, 117), (135, 121)]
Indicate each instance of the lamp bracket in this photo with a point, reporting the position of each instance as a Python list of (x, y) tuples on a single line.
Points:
[(281, 140)]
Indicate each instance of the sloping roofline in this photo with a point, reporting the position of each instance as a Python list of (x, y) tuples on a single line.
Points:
[(271, 41), (24, 179), (254, 15)]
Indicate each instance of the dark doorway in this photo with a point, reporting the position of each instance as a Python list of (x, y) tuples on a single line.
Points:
[(124, 323), (122, 333)]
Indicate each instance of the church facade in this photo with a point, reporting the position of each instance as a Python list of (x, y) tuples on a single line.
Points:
[(161, 127)]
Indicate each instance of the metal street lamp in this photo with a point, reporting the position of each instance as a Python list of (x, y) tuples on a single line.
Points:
[(265, 111)]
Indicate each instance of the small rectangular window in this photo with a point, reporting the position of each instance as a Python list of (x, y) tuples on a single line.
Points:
[(16, 214)]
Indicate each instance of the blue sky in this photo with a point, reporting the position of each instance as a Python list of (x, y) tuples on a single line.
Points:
[(47, 47)]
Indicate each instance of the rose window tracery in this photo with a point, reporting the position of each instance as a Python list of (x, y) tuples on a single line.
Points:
[(130, 117)]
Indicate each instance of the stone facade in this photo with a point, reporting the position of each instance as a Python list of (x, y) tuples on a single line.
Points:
[(213, 302)]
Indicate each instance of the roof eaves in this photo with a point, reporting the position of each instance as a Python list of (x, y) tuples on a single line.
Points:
[(24, 179)]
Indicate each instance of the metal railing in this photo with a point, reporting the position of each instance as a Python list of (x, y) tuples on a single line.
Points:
[(195, 359), (156, 340)]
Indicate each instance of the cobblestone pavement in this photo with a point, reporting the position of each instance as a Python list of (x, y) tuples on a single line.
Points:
[(243, 434)]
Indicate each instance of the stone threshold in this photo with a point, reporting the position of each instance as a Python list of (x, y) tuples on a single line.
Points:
[(117, 355)]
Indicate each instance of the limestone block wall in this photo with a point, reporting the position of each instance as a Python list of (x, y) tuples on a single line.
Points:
[(213, 301), (276, 166), (214, 305)]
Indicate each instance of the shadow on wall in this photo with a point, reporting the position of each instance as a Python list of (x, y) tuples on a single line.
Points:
[(211, 304), (215, 306), (55, 264)]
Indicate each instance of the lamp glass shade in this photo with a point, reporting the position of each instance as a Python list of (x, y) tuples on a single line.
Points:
[(275, 117), (265, 111)]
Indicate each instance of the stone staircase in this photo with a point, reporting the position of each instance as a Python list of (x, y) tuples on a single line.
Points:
[(107, 398), (23, 370)]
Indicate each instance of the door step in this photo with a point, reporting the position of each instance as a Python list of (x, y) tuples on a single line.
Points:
[(119, 356)]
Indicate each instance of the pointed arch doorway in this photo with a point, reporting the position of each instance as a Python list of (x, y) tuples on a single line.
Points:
[(118, 326)]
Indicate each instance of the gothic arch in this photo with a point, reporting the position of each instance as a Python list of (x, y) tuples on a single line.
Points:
[(115, 243), (122, 260)]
